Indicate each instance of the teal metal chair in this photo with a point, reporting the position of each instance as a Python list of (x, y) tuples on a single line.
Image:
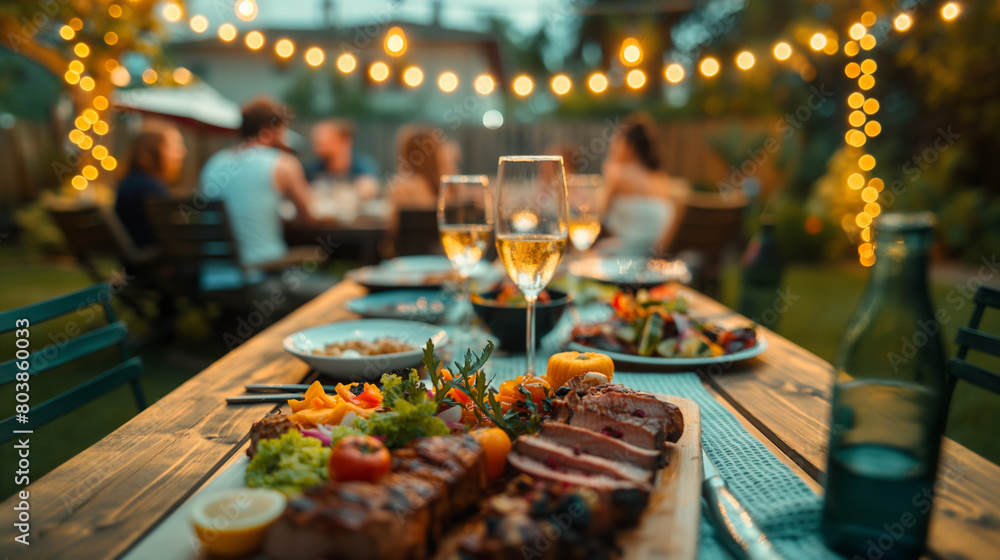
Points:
[(114, 334), (972, 338)]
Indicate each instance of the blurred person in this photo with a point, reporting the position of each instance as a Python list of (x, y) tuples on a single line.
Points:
[(251, 179), (423, 158), (567, 152), (337, 161), (645, 205), (155, 161)]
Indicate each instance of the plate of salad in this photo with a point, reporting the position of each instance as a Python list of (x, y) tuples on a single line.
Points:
[(653, 327)]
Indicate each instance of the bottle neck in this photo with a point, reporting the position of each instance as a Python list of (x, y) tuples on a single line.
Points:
[(900, 270)]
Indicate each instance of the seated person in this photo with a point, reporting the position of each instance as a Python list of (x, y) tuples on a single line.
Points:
[(337, 161), (156, 159), (423, 159), (644, 205), (252, 178)]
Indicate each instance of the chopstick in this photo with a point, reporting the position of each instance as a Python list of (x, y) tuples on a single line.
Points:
[(265, 387), (263, 398)]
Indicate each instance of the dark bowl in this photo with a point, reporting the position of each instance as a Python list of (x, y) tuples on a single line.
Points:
[(509, 322)]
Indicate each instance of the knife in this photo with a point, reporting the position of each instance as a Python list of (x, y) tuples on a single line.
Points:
[(263, 398), (738, 531)]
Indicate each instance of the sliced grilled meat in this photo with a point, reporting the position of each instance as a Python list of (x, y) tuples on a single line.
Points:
[(561, 457), (269, 427), (616, 411), (595, 443)]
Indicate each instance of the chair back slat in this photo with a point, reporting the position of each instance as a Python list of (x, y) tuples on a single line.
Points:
[(971, 338), (74, 398), (100, 293), (987, 296), (93, 230), (418, 233), (190, 232), (975, 374), (978, 340), (55, 355)]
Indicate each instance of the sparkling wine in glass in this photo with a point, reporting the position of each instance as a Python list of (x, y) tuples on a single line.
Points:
[(586, 209), (532, 224), (465, 223)]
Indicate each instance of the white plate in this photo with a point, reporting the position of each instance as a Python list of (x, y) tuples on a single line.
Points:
[(755, 350), (364, 368), (418, 271), (632, 271)]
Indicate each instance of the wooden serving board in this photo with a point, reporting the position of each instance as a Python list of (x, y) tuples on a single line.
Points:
[(668, 530)]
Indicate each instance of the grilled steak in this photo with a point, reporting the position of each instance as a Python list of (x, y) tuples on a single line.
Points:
[(561, 457), (594, 443), (269, 427), (616, 411)]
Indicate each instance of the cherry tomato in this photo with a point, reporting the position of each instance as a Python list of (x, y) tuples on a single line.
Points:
[(496, 445), (359, 458)]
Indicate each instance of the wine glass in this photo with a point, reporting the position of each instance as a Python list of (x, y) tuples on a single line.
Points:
[(465, 223), (531, 227), (586, 209)]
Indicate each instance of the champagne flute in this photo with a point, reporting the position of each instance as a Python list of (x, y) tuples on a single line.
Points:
[(531, 227), (586, 209), (465, 223)]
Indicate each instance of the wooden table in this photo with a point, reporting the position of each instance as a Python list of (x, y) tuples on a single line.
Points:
[(99, 503)]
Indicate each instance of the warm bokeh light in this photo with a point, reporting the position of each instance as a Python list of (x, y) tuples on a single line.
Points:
[(89, 172), (100, 128), (902, 22), (314, 56), (199, 23), (110, 65), (75, 136), (866, 234), (76, 66), (246, 10), (866, 162), (868, 259), (346, 63), (597, 82), (111, 38), (873, 209), (100, 152), (745, 60), (87, 83), (857, 31), (635, 78), (868, 19), (855, 100), (561, 84), (631, 52), (484, 84), (866, 82), (867, 42), (447, 81), (78, 182), (172, 12), (865, 247), (868, 66), (109, 163), (949, 11), (876, 184), (115, 11), (66, 32), (869, 194), (871, 106), (379, 71), (90, 115), (782, 51), (674, 73), (182, 75), (856, 118), (853, 70), (863, 220), (81, 124), (255, 40), (851, 48), (817, 42), (284, 48), (81, 50), (395, 42), (873, 128), (100, 103), (149, 76), (86, 143), (709, 67), (523, 85), (75, 24), (856, 180), (71, 77), (227, 32), (120, 76), (413, 76), (856, 138)]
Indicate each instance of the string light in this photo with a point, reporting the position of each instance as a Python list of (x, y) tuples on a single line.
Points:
[(315, 56), (561, 84), (597, 82), (631, 52), (523, 85), (246, 10), (866, 162), (876, 184), (857, 31), (817, 42), (873, 128), (149, 76), (111, 38), (120, 76), (78, 182), (76, 136), (866, 82), (227, 32), (745, 60), (100, 103), (255, 40), (855, 100), (856, 181), (284, 48), (100, 152), (856, 118), (447, 81), (115, 11), (76, 66), (871, 106), (90, 115), (782, 51), (852, 70), (413, 76), (82, 124), (709, 67), (635, 78), (110, 65), (101, 128), (856, 138), (868, 19), (379, 71), (182, 75), (674, 73), (87, 83), (867, 42), (851, 48), (949, 11), (89, 172), (869, 194), (199, 23), (86, 143), (172, 11), (346, 63), (395, 42), (81, 50), (868, 66), (76, 24), (109, 163), (483, 84), (863, 220), (66, 32), (902, 22)]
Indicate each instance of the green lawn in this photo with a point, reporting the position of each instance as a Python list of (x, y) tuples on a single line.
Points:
[(827, 297)]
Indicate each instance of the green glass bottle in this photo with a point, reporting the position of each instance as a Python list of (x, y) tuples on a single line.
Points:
[(888, 408)]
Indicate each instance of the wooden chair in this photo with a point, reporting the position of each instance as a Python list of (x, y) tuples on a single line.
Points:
[(22, 321), (417, 233), (709, 226), (971, 338)]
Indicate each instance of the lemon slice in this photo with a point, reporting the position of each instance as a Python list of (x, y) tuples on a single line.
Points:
[(232, 523)]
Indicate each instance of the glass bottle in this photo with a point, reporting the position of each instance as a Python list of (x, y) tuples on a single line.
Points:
[(888, 406)]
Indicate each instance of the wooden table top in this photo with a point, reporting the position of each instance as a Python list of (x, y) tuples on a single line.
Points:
[(101, 502)]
